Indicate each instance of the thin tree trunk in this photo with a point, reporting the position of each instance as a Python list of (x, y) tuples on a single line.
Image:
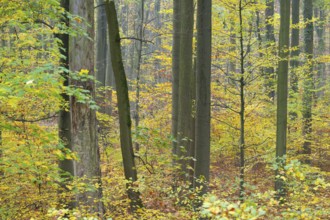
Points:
[(294, 62), (242, 107), (3, 44), (109, 80), (321, 67), (1, 170), (282, 94), (84, 130), (123, 105), (203, 94), (270, 38), (104, 72), (308, 81), (158, 46), (101, 42), (138, 72), (64, 121)]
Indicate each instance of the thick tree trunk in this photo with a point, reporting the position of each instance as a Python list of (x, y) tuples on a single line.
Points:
[(84, 131), (123, 105), (203, 94), (308, 80), (175, 72), (185, 78), (282, 93)]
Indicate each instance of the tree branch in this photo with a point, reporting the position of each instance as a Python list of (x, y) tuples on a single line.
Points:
[(135, 38)]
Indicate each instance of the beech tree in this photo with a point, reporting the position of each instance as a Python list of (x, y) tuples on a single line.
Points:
[(64, 122), (185, 125), (84, 130), (308, 84), (175, 71), (203, 94), (282, 94), (125, 121), (294, 61)]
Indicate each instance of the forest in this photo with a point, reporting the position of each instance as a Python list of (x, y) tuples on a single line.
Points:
[(164, 109)]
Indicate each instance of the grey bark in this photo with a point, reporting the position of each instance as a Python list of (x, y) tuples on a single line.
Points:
[(282, 93), (203, 94), (84, 131), (123, 105), (104, 72), (101, 43)]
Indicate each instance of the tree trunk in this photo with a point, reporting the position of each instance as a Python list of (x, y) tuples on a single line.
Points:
[(308, 80), (138, 72), (242, 105), (158, 45), (123, 105), (101, 42), (282, 94), (270, 38), (175, 72), (64, 119), (185, 78), (84, 131), (321, 67), (104, 73), (203, 94), (294, 62)]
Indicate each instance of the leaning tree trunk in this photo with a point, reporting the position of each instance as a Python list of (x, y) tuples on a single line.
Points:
[(203, 95), (282, 94), (308, 79), (123, 105), (84, 130)]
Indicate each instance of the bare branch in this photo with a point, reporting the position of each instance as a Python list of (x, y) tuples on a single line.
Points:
[(135, 38)]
